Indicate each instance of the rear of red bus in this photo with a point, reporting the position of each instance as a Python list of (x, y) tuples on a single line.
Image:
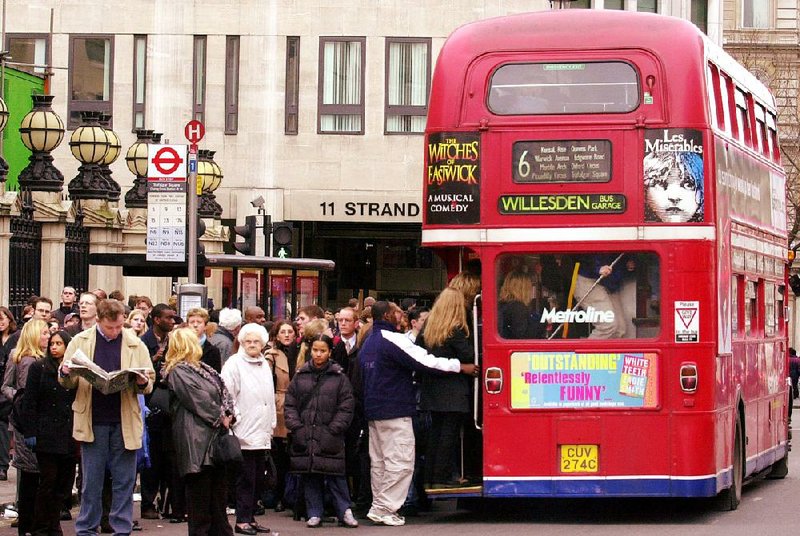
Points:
[(562, 146)]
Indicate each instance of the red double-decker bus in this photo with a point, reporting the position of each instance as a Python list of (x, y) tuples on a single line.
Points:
[(616, 177)]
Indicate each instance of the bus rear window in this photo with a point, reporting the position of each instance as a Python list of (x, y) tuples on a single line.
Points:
[(611, 295), (564, 88)]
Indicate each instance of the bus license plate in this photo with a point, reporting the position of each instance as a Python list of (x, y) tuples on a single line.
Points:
[(578, 458)]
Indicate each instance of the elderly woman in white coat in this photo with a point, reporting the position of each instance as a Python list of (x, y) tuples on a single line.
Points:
[(248, 377)]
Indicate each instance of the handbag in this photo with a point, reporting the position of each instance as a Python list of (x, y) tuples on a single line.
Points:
[(225, 449)]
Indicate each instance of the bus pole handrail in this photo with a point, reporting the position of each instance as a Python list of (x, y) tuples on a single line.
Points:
[(477, 381), (597, 282)]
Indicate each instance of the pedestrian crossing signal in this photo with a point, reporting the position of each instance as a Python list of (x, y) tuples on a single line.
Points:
[(282, 234)]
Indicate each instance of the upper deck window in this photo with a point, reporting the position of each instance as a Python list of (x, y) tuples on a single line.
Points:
[(564, 88)]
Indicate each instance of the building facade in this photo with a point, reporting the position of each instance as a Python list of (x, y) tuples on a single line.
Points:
[(763, 35), (316, 107)]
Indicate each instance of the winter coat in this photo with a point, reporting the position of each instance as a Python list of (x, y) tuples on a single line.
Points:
[(319, 408), (280, 371), (196, 410), (222, 339), (249, 380), (133, 354), (387, 360), (16, 378), (449, 392), (47, 409)]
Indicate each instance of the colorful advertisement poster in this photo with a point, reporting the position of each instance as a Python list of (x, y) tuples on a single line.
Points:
[(542, 380), (687, 321), (673, 175), (453, 178)]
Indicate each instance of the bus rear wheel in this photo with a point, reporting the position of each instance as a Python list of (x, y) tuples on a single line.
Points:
[(730, 498)]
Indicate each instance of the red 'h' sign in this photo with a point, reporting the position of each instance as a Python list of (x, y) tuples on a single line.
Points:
[(194, 131)]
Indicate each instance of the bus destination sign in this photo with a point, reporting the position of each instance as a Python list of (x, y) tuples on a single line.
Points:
[(546, 204), (562, 161)]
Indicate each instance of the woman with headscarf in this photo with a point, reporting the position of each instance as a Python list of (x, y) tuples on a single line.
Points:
[(201, 408), (248, 377)]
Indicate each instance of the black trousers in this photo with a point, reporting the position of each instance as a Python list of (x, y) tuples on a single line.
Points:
[(248, 484), (155, 478), (280, 456), (205, 501), (27, 486), (56, 475), (442, 444)]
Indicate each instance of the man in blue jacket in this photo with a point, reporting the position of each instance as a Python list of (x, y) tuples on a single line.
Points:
[(388, 360)]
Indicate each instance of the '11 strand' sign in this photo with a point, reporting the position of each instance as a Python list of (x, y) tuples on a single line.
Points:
[(166, 203)]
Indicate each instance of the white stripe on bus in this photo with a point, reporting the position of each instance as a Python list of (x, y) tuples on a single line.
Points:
[(569, 234)]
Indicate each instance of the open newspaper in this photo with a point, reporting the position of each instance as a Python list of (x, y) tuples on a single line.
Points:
[(104, 381)]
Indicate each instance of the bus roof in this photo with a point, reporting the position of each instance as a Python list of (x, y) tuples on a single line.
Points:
[(587, 29)]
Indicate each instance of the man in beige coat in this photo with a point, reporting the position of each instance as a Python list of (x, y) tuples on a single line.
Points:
[(108, 427)]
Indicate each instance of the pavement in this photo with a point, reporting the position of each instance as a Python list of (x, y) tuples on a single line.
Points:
[(443, 519)]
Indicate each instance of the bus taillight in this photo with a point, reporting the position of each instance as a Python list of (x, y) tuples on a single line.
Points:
[(493, 380), (689, 377)]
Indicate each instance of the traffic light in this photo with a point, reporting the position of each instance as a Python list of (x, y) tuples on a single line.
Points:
[(282, 239), (248, 232)]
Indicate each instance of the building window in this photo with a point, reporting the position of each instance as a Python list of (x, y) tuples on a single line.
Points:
[(755, 13), (647, 6), (139, 79), (614, 4), (232, 84), (292, 83), (408, 76), (341, 85), (27, 50), (699, 14), (580, 4), (91, 76), (199, 79)]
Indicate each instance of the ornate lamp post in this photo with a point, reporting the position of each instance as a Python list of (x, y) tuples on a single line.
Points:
[(110, 158), (136, 158), (3, 122), (211, 176), (89, 144), (41, 131)]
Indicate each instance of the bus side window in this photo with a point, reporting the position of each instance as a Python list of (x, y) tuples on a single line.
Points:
[(762, 145), (749, 307), (742, 117), (725, 85), (770, 320), (773, 138), (780, 312), (714, 97), (735, 305)]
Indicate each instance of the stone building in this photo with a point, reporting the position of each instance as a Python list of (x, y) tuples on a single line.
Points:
[(317, 107)]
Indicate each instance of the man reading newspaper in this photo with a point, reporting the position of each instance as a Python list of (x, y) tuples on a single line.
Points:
[(108, 426)]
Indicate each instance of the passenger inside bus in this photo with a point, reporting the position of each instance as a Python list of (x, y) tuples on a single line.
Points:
[(544, 296)]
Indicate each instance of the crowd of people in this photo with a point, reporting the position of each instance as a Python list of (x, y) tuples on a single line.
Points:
[(337, 414)]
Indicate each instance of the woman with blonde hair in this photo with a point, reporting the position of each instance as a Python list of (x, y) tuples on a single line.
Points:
[(447, 397), (469, 284), (31, 347), (201, 408), (515, 313), (137, 321)]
